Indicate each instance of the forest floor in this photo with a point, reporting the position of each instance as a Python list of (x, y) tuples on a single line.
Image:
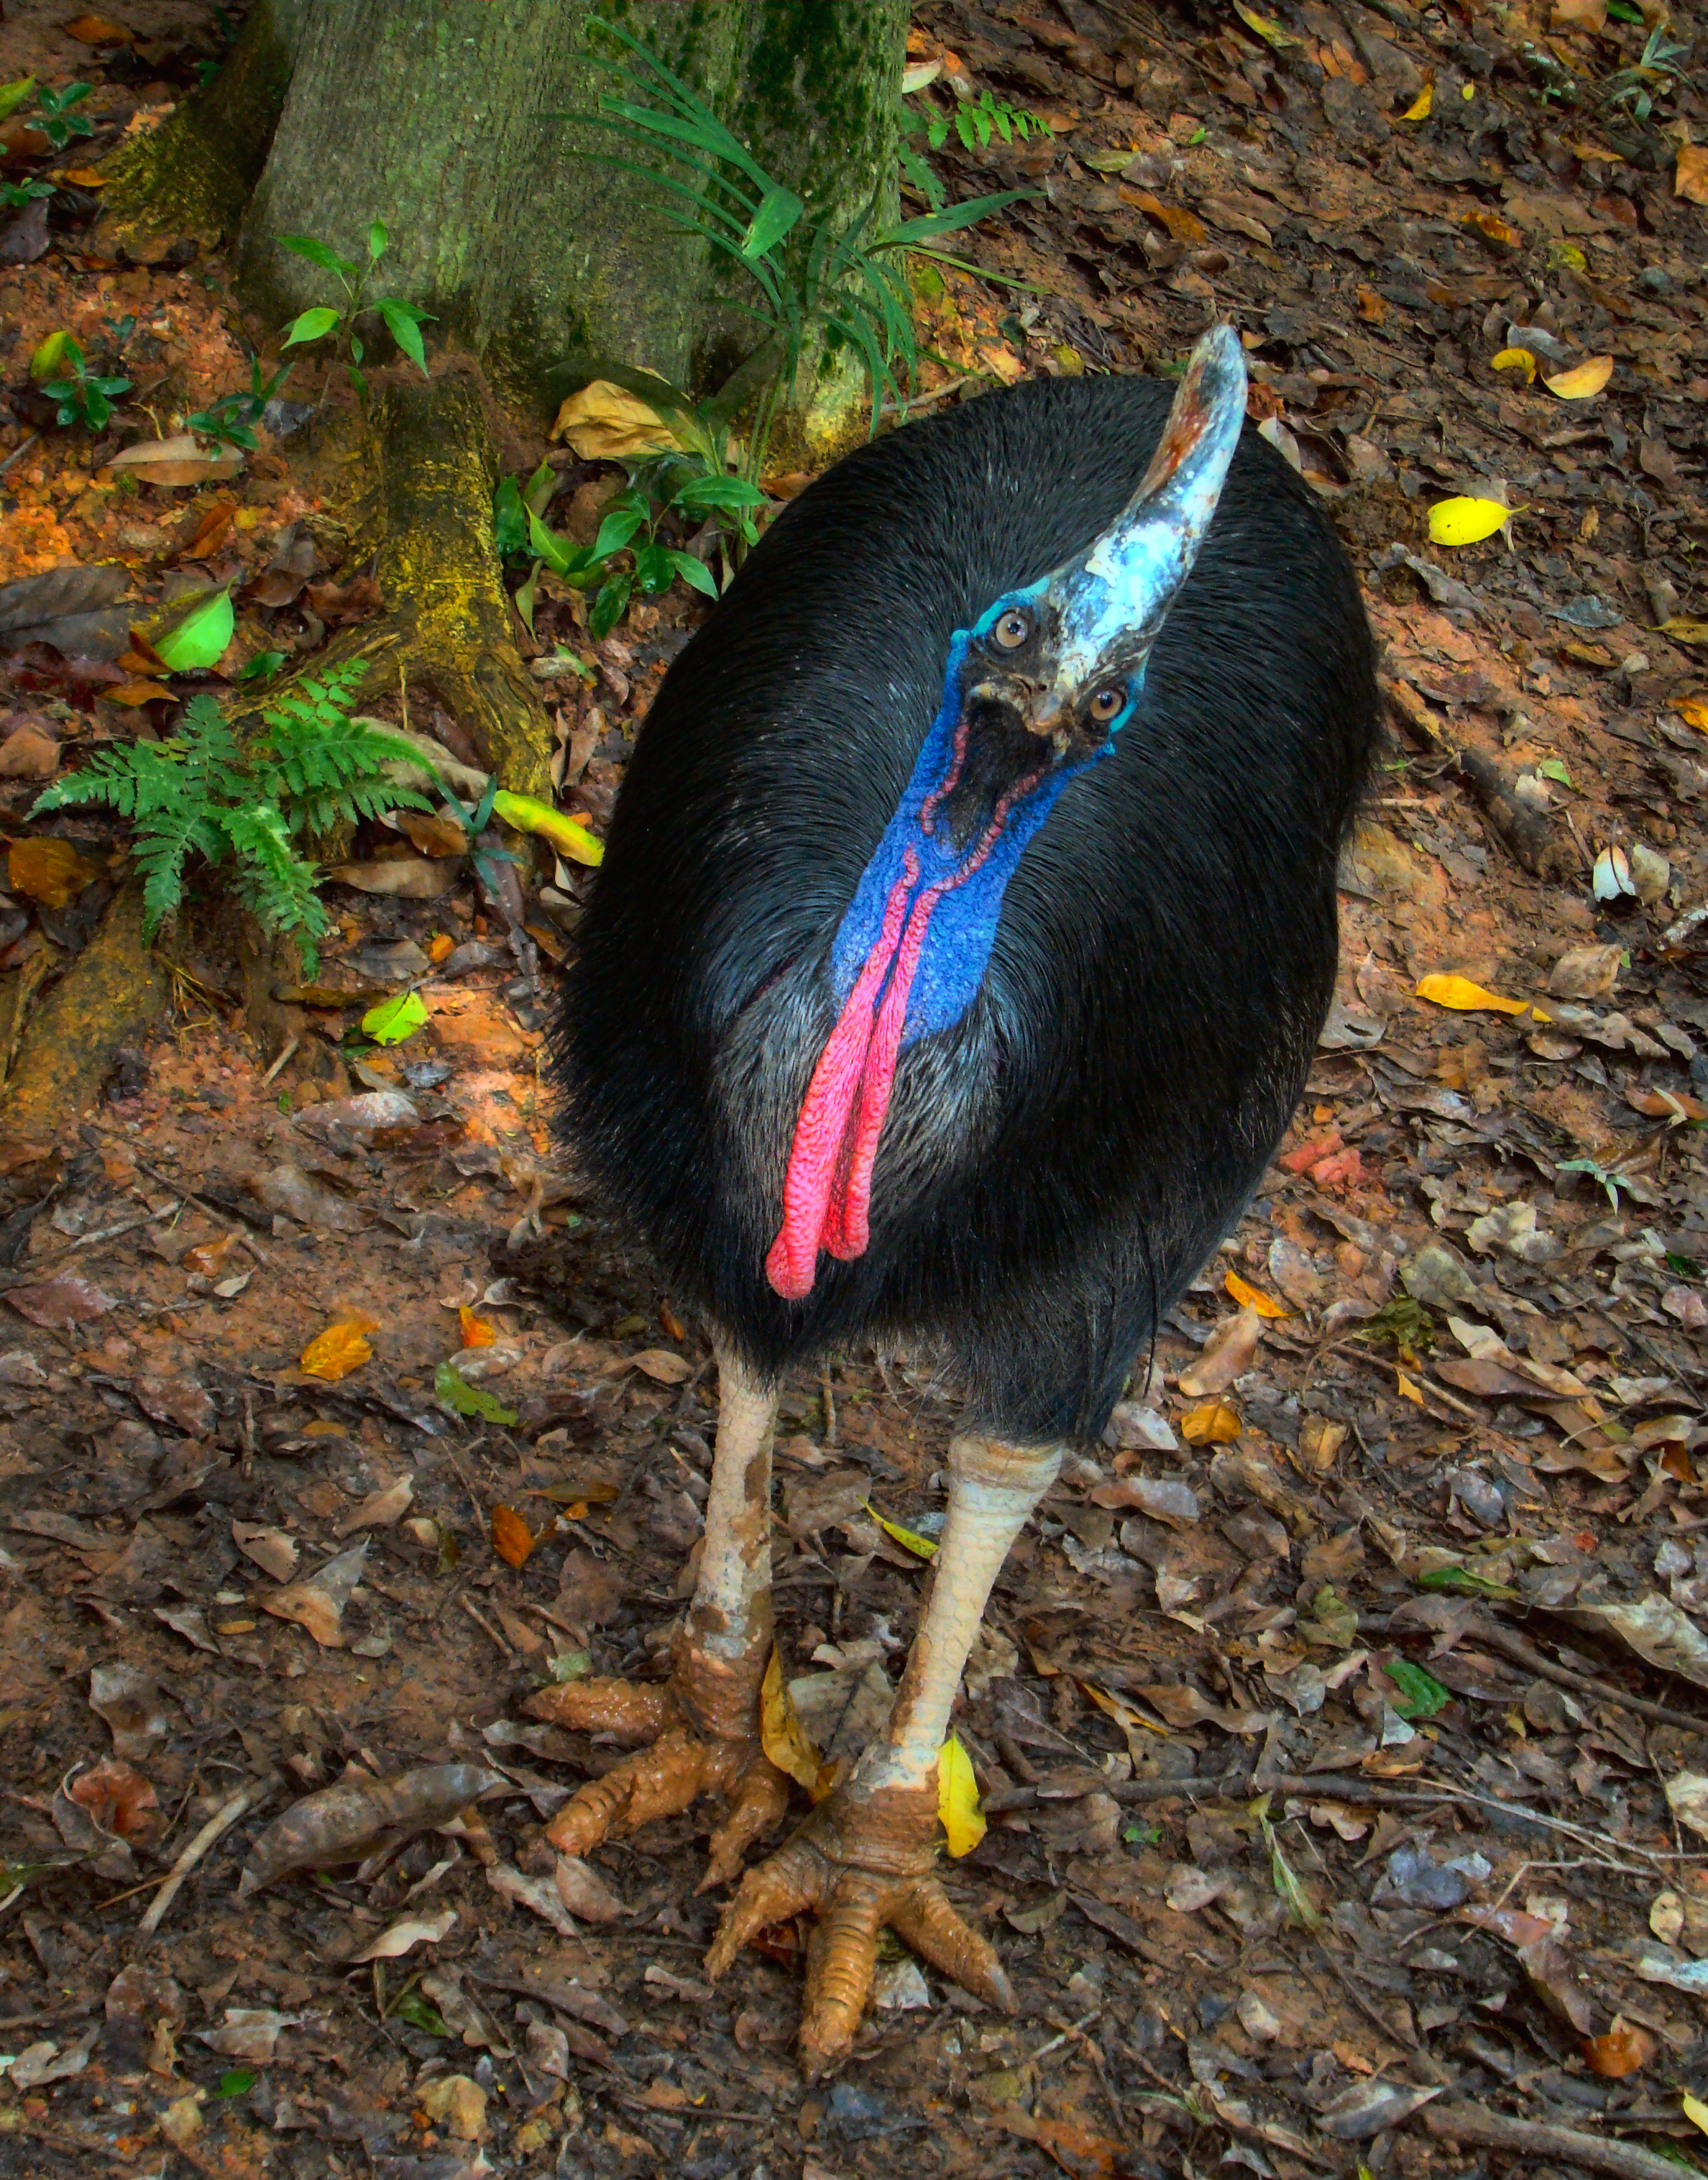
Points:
[(1404, 1558)]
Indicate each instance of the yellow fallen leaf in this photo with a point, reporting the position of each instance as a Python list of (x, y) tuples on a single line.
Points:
[(512, 1540), (1566, 253), (1515, 359), (1271, 33), (1469, 521), (1696, 2111), (1693, 711), (1419, 110), (1690, 175), (568, 834), (1251, 1297), (1132, 1723), (48, 870), (1584, 380), (606, 423), (958, 1792), (477, 1331), (785, 1740), (1493, 228), (1407, 1389), (925, 1548), (1213, 1423), (1684, 630), (1460, 992), (341, 1348)]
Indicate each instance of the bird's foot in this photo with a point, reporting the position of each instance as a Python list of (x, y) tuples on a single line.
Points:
[(703, 1727), (862, 1866)]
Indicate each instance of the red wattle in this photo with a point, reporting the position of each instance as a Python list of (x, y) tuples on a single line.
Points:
[(812, 1188)]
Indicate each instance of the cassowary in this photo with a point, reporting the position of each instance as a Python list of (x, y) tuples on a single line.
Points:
[(966, 928)]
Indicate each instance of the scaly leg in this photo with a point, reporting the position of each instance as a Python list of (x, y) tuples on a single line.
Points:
[(863, 1859), (703, 1722)]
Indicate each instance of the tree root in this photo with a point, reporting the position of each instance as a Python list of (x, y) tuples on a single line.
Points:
[(107, 999), (432, 465), (190, 179), (1525, 832)]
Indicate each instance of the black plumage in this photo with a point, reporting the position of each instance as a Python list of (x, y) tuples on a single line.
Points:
[(1056, 1167)]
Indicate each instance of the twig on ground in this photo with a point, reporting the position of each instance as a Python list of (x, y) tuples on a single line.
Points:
[(1511, 1644), (1487, 2130), (222, 1821)]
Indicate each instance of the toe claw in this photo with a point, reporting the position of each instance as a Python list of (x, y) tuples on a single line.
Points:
[(794, 1878), (924, 1920), (840, 1960)]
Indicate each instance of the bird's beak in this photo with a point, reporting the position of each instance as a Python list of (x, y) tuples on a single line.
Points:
[(1047, 713)]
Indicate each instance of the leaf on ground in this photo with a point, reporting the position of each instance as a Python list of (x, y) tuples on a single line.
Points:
[(604, 423), (343, 1347), (1225, 1355), (1420, 1694), (922, 1548), (63, 1300), (1211, 1424), (379, 1509), (1421, 106), (453, 1391), (785, 1739), (1625, 2049), (316, 1601), (127, 1699), (1469, 521), (512, 1540), (199, 639), (393, 1019), (1250, 1297), (1584, 380), (402, 878), (50, 871), (568, 835), (476, 1331), (345, 1822), (119, 1800), (1462, 994), (1515, 359), (402, 1937), (957, 1798), (1655, 1629), (271, 1549)]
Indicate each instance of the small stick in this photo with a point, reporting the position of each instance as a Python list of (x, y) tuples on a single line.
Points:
[(288, 1054), (1511, 1644), (221, 1821), (483, 1624), (1487, 2130)]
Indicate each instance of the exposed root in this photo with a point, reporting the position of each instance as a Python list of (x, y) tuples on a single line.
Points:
[(106, 999), (703, 1727), (862, 1866)]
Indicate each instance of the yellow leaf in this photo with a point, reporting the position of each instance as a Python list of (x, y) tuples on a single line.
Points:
[(477, 1331), (568, 835), (1515, 359), (957, 1791), (607, 423), (1469, 521), (49, 870), (1685, 631), (1419, 110), (1251, 1297), (1693, 710), (1584, 380), (1696, 2111), (785, 1740), (1129, 1720), (1493, 228), (1460, 992), (1690, 175), (341, 1348), (1213, 1423), (1271, 33), (1407, 1391), (1568, 253), (512, 1539), (925, 1548)]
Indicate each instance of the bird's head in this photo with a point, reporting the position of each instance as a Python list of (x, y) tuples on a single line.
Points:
[(1034, 693)]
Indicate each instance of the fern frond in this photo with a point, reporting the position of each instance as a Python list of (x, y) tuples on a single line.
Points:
[(277, 883)]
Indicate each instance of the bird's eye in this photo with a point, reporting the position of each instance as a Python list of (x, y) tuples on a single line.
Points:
[(1107, 702), (1012, 630)]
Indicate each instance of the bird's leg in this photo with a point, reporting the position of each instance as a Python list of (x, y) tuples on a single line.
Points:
[(703, 1722), (864, 1858)]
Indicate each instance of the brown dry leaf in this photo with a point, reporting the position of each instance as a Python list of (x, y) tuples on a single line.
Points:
[(590, 1591), (434, 836), (606, 423), (659, 1365), (1184, 226), (1213, 1423), (29, 752), (135, 694), (272, 1551), (1585, 972), (1227, 1355), (456, 2103), (1372, 308), (208, 1257), (119, 1799), (404, 1937), (49, 871), (1626, 2049), (175, 462), (317, 1601), (403, 878), (1690, 175), (477, 1331), (209, 533), (128, 1700), (1657, 1631), (379, 1509), (1181, 1706), (344, 1823), (785, 1739), (63, 1300), (343, 1347), (512, 1539)]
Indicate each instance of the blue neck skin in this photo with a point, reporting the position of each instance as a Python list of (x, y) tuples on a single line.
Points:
[(963, 925)]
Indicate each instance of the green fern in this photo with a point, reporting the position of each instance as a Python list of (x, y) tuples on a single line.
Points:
[(252, 804)]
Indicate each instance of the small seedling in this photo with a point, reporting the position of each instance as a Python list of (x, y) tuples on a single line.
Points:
[(402, 321), (85, 397), (15, 196), (232, 419), (57, 120), (978, 120)]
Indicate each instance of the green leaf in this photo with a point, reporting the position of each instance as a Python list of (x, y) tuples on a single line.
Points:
[(413, 2008), (456, 1393), (616, 531), (704, 492), (574, 563), (57, 353), (693, 572), (525, 596), (235, 2083), (404, 322), (377, 238), (537, 494), (318, 253), (954, 216), (1464, 1581), (13, 94), (1420, 1694), (395, 1019), (312, 325), (263, 667), (1554, 767), (200, 638), (779, 208), (609, 606), (652, 568), (510, 521)]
